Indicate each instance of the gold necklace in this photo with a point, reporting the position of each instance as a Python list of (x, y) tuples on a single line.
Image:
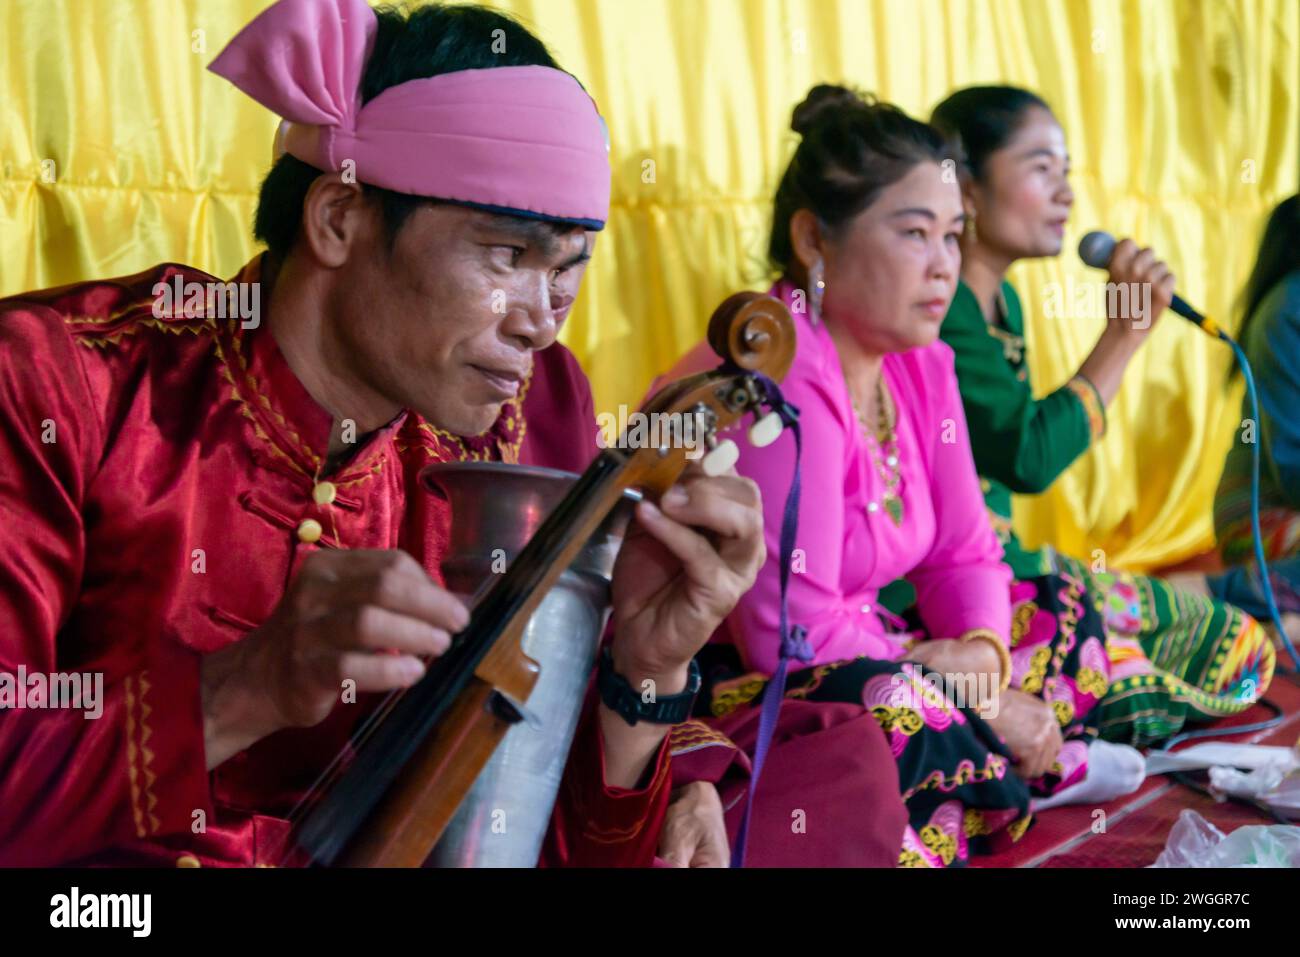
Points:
[(1013, 346), (885, 452)]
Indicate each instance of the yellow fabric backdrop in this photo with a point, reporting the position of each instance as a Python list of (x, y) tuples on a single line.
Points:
[(119, 150)]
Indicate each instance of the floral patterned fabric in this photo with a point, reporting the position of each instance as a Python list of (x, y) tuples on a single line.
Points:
[(1175, 657), (956, 776)]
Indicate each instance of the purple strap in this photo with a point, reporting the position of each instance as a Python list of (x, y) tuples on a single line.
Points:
[(794, 643)]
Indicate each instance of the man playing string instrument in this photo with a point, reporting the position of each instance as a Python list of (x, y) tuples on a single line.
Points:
[(222, 516)]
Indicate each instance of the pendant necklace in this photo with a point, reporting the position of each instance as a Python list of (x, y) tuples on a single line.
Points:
[(885, 451)]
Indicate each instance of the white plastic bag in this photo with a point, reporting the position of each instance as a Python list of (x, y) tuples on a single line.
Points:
[(1271, 774), (1222, 754), (1195, 842)]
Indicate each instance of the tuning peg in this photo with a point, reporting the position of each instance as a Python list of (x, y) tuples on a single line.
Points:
[(721, 458), (766, 430)]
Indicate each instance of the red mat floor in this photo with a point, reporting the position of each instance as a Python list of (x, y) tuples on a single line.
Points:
[(1137, 825)]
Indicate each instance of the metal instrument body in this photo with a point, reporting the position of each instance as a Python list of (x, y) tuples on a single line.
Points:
[(495, 510)]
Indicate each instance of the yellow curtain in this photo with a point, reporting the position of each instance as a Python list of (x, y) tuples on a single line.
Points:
[(119, 151)]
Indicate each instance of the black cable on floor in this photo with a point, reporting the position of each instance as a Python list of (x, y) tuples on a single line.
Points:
[(1218, 732)]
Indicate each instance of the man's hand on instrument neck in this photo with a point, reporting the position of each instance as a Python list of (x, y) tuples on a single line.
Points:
[(682, 568)]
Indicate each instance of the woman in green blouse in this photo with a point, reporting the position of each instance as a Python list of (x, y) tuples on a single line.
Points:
[(1176, 655)]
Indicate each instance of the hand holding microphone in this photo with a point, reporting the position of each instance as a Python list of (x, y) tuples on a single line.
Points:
[(1144, 284), (1142, 287)]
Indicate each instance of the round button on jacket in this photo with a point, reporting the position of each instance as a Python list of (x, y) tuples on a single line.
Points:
[(309, 532), (323, 493)]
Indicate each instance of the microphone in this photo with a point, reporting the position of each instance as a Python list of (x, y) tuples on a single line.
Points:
[(1098, 246)]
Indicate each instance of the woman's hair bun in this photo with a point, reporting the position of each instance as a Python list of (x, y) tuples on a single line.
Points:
[(821, 101)]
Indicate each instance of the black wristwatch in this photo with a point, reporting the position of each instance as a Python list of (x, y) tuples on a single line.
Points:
[(629, 703)]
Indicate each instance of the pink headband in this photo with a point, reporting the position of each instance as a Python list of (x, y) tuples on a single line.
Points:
[(526, 140)]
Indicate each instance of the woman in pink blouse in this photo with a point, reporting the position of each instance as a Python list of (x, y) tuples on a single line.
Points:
[(867, 220)]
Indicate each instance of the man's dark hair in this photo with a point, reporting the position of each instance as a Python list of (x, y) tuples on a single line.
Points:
[(425, 42)]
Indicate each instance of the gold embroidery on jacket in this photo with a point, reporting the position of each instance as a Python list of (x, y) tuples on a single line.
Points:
[(139, 757)]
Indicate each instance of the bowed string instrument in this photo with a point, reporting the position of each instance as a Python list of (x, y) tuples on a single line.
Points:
[(386, 800)]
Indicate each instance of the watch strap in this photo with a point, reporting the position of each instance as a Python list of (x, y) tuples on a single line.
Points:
[(633, 705)]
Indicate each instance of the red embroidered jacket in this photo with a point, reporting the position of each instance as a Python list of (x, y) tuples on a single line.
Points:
[(156, 498)]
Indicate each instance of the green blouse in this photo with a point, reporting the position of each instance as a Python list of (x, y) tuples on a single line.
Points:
[(1021, 444)]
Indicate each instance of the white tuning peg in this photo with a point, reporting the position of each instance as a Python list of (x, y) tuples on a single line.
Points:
[(766, 430), (721, 458)]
